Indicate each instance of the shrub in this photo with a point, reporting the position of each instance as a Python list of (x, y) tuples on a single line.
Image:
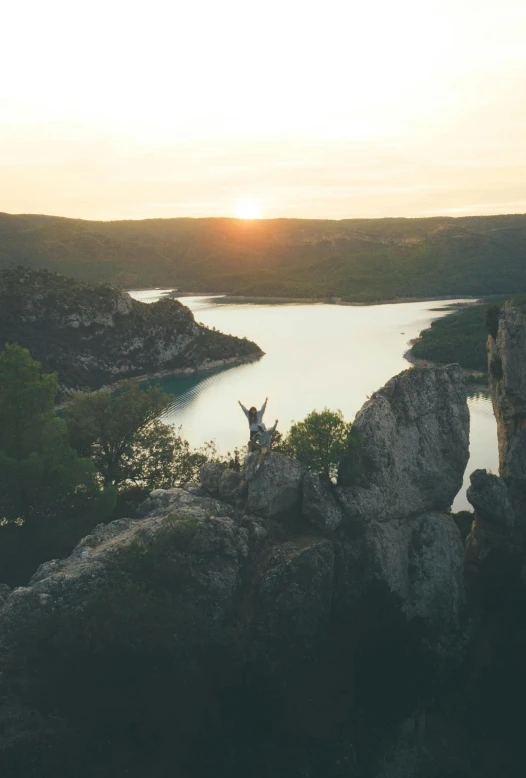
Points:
[(319, 441)]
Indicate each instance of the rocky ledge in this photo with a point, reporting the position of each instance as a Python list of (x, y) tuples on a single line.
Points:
[(97, 335), (316, 592)]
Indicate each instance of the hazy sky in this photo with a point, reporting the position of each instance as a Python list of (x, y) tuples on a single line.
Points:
[(334, 109)]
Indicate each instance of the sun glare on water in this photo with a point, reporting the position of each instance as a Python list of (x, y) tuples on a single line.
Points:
[(248, 211)]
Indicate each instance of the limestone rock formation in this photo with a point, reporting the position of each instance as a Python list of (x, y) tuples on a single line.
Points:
[(210, 475), (494, 547), (415, 433), (391, 528), (507, 378), (276, 487), (489, 497), (320, 505), (421, 560), (94, 335)]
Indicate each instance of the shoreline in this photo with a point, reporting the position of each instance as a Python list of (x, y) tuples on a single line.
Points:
[(226, 299), (203, 368), (231, 299)]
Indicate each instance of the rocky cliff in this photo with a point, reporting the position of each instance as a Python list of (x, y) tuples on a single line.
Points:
[(495, 546), (260, 623), (96, 335), (507, 376)]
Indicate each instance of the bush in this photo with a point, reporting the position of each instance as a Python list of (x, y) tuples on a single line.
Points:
[(319, 441)]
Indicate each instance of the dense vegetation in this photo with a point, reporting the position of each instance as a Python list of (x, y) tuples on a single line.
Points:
[(461, 336), (59, 477), (362, 260), (49, 496)]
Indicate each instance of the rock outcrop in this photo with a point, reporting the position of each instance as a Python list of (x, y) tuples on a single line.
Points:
[(320, 505), (282, 572), (391, 528), (415, 433), (276, 488), (507, 379), (495, 545), (96, 335)]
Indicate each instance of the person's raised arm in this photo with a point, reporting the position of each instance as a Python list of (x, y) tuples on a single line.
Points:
[(243, 408), (262, 410), (275, 425)]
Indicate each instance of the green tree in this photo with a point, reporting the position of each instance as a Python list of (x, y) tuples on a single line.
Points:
[(320, 440), (49, 496), (116, 431), (130, 448)]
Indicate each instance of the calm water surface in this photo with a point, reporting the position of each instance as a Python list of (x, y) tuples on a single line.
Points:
[(316, 356)]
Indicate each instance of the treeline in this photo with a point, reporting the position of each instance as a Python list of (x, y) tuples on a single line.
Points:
[(461, 336), (99, 458), (359, 260)]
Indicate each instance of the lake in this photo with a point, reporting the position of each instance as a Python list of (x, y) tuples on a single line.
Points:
[(316, 356)]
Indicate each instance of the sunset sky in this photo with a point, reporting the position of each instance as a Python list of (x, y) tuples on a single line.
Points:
[(333, 109)]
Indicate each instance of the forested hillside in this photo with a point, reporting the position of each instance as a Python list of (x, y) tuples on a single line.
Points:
[(362, 260), (95, 334), (461, 337)]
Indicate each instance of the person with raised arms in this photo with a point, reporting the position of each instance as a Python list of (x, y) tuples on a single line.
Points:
[(255, 418)]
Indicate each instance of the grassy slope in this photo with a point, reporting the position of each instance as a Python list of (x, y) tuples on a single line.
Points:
[(461, 336), (361, 259)]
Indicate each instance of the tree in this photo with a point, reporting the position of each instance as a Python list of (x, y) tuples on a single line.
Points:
[(115, 430), (49, 496), (130, 448), (320, 440)]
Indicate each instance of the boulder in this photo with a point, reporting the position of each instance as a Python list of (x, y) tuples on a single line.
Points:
[(319, 505), (230, 484), (493, 545), (489, 497), (415, 434), (195, 489), (276, 487), (211, 473)]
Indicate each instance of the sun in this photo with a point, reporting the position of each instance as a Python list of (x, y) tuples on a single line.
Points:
[(248, 211)]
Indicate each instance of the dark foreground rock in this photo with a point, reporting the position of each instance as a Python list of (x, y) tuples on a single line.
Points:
[(94, 335), (264, 623)]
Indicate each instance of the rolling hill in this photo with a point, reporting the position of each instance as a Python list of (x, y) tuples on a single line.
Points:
[(361, 260)]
